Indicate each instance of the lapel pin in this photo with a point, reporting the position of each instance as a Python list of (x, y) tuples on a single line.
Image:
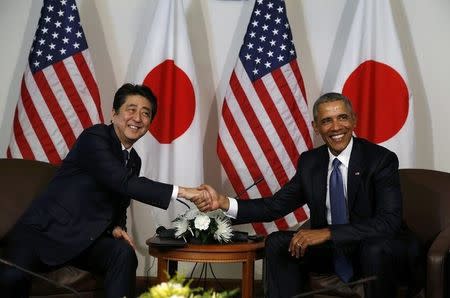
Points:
[(356, 173)]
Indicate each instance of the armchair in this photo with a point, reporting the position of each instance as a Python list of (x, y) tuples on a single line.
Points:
[(20, 182), (426, 210)]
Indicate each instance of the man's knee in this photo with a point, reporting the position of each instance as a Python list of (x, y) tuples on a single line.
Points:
[(277, 242), (373, 254), (125, 254), (372, 248)]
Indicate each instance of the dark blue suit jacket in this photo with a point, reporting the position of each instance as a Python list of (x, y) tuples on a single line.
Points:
[(89, 194), (373, 191)]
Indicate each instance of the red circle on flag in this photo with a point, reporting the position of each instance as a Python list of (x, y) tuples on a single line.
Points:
[(380, 98), (176, 101)]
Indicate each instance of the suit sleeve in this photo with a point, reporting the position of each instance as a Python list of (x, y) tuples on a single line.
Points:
[(284, 201), (98, 159), (387, 199)]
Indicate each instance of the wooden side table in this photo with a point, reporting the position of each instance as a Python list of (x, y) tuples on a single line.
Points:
[(242, 252)]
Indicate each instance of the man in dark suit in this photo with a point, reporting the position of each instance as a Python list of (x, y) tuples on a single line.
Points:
[(80, 218), (352, 189)]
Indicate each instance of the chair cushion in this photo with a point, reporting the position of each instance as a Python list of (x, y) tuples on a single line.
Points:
[(80, 280)]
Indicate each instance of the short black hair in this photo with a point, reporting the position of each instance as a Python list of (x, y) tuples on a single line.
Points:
[(134, 89), (330, 97)]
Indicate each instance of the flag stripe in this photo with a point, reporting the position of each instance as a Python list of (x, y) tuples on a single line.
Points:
[(287, 115), (300, 214), (248, 158), (8, 152), (299, 77), (54, 107), (27, 135), (20, 140), (37, 99), (265, 123), (86, 101), (297, 116), (244, 178), (87, 73), (274, 115), (244, 150), (250, 138), (72, 94), (231, 172), (39, 126), (257, 129), (64, 104)]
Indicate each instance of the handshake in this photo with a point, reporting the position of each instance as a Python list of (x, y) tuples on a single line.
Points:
[(204, 197)]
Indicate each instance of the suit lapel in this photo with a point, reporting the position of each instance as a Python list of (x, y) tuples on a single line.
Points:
[(117, 147), (355, 171), (320, 185)]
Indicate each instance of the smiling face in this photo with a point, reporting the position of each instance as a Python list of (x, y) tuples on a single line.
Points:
[(335, 123), (132, 120)]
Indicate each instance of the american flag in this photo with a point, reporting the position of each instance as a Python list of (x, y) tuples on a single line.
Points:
[(265, 124), (58, 95)]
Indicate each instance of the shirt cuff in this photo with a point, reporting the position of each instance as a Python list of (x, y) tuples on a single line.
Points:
[(174, 193), (233, 208)]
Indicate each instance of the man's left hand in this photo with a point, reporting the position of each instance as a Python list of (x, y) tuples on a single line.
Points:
[(306, 237), (119, 233)]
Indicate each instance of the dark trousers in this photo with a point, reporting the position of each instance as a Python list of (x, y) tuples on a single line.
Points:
[(388, 259), (112, 258)]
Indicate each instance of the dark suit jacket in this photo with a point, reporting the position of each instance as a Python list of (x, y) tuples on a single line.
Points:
[(373, 194), (89, 194)]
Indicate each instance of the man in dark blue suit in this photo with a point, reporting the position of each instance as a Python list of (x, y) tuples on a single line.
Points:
[(80, 218), (352, 189)]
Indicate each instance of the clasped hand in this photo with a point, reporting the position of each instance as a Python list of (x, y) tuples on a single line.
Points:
[(204, 197)]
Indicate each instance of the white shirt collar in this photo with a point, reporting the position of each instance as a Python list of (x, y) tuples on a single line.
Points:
[(123, 148), (344, 156)]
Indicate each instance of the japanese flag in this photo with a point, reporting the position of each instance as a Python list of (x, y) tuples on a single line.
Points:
[(372, 74), (171, 151)]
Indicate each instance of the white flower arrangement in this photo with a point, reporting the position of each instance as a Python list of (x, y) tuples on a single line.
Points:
[(206, 227)]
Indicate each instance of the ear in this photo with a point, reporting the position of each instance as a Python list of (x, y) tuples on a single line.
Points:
[(314, 125), (113, 114)]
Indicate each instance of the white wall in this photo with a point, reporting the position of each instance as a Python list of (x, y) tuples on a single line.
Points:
[(216, 29)]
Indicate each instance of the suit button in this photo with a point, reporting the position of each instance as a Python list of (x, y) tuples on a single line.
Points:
[(91, 238)]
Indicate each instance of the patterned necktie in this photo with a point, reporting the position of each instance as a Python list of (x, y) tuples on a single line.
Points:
[(342, 264), (126, 157)]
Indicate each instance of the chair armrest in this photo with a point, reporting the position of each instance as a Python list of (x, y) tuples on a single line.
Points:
[(436, 264)]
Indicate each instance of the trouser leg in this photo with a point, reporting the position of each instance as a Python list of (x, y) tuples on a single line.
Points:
[(114, 259), (284, 276), (389, 261), (19, 250), (13, 282)]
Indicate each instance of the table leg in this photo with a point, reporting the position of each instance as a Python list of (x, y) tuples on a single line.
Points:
[(162, 269), (173, 268), (248, 268)]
